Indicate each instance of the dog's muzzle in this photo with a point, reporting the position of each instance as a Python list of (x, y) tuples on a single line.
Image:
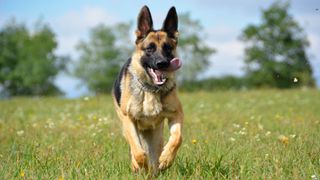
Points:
[(164, 67)]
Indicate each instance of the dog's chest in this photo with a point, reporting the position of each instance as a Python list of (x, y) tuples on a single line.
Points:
[(144, 104), (146, 108)]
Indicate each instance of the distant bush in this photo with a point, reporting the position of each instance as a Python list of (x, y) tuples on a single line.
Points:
[(209, 84)]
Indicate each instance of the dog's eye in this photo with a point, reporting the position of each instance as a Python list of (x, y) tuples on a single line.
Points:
[(167, 48), (151, 48)]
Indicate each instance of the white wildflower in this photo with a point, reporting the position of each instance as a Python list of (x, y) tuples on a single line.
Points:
[(51, 125), (314, 177), (236, 125), (260, 126), (241, 132), (34, 125), (293, 136), (268, 133), (20, 133), (257, 137), (201, 105)]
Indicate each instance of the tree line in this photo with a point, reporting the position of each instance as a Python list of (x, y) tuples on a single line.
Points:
[(275, 56)]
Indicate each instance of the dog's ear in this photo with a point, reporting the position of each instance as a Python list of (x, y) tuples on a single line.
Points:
[(145, 24), (170, 24)]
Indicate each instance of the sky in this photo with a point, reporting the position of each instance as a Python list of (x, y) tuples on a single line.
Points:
[(223, 22)]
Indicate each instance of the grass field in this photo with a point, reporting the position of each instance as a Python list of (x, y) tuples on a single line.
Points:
[(228, 135)]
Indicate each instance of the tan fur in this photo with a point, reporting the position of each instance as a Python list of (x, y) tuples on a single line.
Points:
[(143, 112), (138, 120)]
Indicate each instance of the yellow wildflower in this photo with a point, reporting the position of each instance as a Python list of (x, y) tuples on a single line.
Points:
[(194, 141), (78, 164), (22, 174), (284, 139)]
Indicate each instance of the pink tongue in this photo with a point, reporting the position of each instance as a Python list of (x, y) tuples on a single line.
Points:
[(175, 64)]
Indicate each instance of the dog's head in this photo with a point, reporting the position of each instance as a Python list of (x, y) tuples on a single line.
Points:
[(157, 48)]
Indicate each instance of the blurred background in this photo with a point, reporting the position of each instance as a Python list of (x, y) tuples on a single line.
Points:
[(75, 48)]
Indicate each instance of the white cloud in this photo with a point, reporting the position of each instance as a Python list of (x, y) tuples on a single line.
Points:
[(70, 28), (310, 22), (314, 40), (227, 60), (67, 45), (240, 6), (82, 20), (311, 25), (314, 50), (222, 33), (75, 25)]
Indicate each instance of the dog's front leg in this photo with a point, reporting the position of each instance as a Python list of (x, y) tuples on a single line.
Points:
[(170, 150), (138, 155)]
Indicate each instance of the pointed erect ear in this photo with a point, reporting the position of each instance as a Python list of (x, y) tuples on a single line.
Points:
[(145, 24), (170, 24)]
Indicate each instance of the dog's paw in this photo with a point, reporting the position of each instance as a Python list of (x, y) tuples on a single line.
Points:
[(166, 158), (139, 159)]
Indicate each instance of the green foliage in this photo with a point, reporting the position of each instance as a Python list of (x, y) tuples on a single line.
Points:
[(28, 64), (219, 83), (226, 135), (102, 56), (276, 51), (192, 49)]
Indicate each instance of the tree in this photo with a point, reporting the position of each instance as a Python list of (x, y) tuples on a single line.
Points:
[(28, 64), (192, 48), (275, 55), (108, 47), (102, 56)]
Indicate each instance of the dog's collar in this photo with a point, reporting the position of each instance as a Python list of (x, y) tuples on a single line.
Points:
[(148, 87), (156, 89)]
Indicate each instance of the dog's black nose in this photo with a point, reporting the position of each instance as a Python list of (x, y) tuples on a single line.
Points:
[(160, 64)]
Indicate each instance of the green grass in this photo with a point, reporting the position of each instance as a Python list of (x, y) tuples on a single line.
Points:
[(227, 135)]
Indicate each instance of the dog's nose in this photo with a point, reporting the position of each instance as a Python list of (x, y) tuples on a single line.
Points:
[(162, 64)]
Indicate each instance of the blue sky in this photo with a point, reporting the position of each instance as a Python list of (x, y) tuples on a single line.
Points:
[(223, 22)]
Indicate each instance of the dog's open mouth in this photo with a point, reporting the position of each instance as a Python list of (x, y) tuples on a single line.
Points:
[(159, 77)]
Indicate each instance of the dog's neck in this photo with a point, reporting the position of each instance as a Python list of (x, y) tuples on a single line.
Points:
[(137, 83), (148, 87)]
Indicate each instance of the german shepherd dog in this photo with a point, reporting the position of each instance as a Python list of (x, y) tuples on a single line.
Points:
[(145, 95)]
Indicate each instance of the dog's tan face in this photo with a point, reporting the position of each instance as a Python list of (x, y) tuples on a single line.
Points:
[(157, 48)]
